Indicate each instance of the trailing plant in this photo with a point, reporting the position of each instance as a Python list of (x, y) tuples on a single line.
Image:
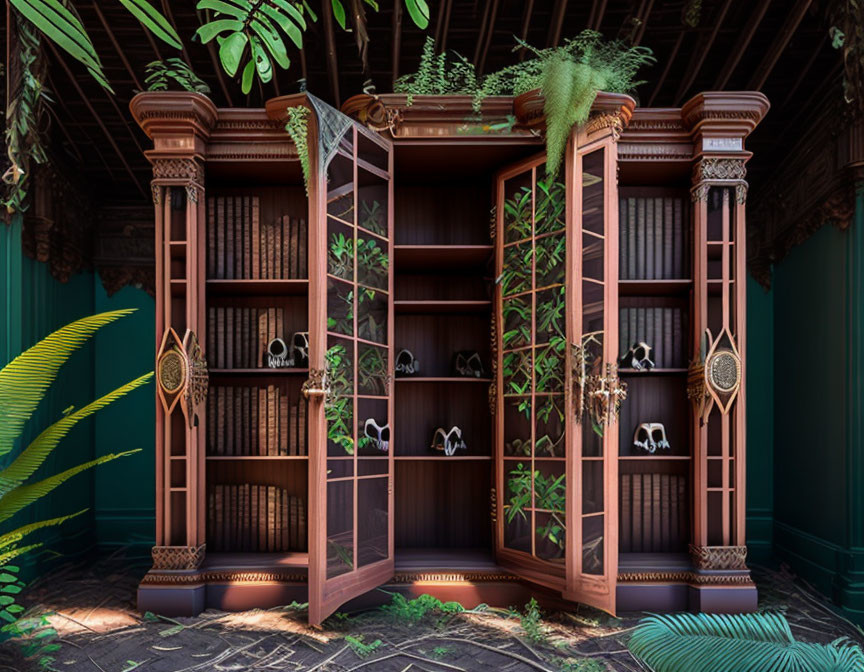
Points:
[(549, 366), (359, 647), (549, 493), (23, 383), (518, 218), (23, 118), (163, 75), (33, 635), (847, 35), (550, 312), (411, 612), (516, 313), (298, 128), (531, 620), (372, 371), (516, 275), (373, 263), (722, 642), (373, 217), (341, 553), (339, 406), (438, 75), (551, 201)]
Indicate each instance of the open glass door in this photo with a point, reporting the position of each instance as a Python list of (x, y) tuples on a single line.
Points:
[(351, 466), (592, 562), (556, 311)]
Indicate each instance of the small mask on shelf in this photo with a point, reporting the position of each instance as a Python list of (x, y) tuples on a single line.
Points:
[(380, 435), (448, 442), (406, 364), (277, 354), (300, 349), (638, 357), (651, 437), (468, 364)]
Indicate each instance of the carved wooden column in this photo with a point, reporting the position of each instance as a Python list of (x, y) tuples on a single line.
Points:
[(718, 552), (179, 125)]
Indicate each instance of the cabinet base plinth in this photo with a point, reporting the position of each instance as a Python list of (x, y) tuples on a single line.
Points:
[(180, 599)]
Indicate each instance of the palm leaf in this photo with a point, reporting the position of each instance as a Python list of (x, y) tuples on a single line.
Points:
[(60, 25), (15, 552), (26, 495), (151, 19), (760, 642), (419, 11), (24, 380), (10, 538), (41, 447)]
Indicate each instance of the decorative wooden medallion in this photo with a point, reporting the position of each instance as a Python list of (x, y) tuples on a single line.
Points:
[(181, 372)]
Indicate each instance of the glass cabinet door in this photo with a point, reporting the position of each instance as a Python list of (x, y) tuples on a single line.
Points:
[(557, 390), (597, 393), (351, 468)]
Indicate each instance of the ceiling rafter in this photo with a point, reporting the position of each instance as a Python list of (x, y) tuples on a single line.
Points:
[(490, 32), (330, 46), (666, 69), (397, 39), (741, 45), (557, 24), (787, 30), (696, 64), (116, 45), (526, 24)]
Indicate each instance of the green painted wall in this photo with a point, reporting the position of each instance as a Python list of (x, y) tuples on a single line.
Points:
[(124, 498), (760, 421), (32, 305)]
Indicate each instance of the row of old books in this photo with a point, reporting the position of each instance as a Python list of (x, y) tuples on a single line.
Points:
[(255, 519), (249, 420), (654, 237), (238, 337), (654, 513), (242, 246), (661, 327)]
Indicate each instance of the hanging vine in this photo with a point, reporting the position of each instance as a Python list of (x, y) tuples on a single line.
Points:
[(847, 35), (297, 128), (24, 111)]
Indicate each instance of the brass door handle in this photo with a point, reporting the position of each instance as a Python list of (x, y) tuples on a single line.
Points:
[(315, 387)]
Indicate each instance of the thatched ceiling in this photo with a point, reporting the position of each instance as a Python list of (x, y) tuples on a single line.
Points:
[(777, 46)]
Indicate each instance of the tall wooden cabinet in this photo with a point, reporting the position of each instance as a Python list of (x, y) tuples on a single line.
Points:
[(420, 229)]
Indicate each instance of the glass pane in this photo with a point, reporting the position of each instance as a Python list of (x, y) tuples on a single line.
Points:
[(550, 366), (550, 540), (516, 274), (340, 468), (372, 315), (340, 524), (516, 372), (549, 427), (373, 262), (551, 200), (516, 312), (372, 525), (592, 545), (339, 408), (592, 256), (592, 486), (550, 254), (517, 427), (373, 428), (593, 192), (340, 307), (517, 505), (592, 307), (550, 310), (340, 250), (518, 208), (549, 486), (373, 207), (372, 378)]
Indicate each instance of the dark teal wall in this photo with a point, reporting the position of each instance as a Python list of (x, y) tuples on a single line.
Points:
[(760, 421), (124, 498)]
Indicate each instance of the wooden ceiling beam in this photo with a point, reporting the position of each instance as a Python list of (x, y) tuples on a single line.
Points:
[(787, 30), (598, 19), (330, 47), (116, 46), (526, 24), (741, 45), (696, 63), (557, 24), (446, 28), (490, 33), (108, 136), (481, 38), (666, 68), (643, 23), (804, 72), (397, 39)]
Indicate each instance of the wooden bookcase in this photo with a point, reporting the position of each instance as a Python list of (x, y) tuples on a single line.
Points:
[(431, 229)]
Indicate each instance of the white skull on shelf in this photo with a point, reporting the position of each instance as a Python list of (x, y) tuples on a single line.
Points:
[(651, 437)]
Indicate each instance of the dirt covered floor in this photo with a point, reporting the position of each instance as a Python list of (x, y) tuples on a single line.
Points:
[(92, 608)]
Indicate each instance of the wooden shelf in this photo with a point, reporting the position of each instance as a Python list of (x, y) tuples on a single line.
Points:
[(252, 287), (443, 458), (234, 561), (253, 458), (652, 372), (261, 371), (466, 258), (441, 379), (460, 307), (653, 457), (654, 287)]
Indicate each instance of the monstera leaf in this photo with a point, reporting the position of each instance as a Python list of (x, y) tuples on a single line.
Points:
[(253, 32), (741, 642)]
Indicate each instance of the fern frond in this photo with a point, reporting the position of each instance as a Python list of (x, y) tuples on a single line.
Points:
[(23, 496), (41, 447), (24, 380), (15, 552), (741, 642), (13, 537)]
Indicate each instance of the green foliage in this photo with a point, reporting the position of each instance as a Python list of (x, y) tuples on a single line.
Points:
[(411, 612), (23, 119), (163, 75), (846, 21), (33, 635), (438, 75), (297, 128), (372, 371), (339, 405), (549, 493), (151, 19), (719, 643), (340, 256), (373, 263), (373, 217), (531, 621), (23, 383), (568, 76), (359, 647), (440, 652), (582, 665)]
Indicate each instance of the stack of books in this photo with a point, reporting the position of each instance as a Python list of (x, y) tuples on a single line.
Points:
[(654, 236), (255, 519), (238, 337), (661, 327), (654, 513)]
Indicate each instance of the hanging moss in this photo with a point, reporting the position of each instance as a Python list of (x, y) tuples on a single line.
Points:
[(297, 127)]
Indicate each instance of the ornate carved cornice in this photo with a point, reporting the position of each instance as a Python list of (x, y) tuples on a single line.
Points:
[(178, 169), (712, 168), (688, 577)]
